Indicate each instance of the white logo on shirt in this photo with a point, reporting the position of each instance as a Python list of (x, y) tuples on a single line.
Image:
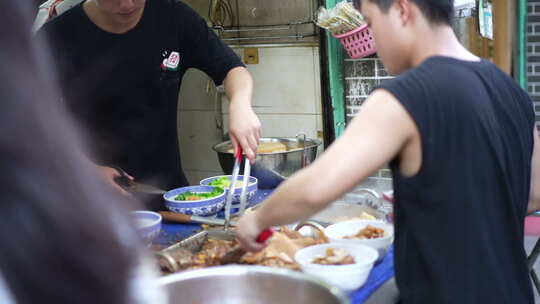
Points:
[(173, 61)]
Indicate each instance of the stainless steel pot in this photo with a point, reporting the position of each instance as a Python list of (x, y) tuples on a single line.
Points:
[(273, 168), (249, 285)]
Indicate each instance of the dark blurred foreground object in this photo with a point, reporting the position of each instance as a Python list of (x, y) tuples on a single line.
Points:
[(61, 226)]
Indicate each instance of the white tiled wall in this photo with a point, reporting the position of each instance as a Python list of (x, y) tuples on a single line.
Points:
[(198, 134), (287, 100), (197, 127), (287, 124), (287, 95), (197, 92), (286, 81)]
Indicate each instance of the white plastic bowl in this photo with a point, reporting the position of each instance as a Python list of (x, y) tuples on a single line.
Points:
[(336, 233), (346, 277), (148, 225)]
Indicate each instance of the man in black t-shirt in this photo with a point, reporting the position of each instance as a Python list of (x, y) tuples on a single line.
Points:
[(460, 137), (121, 64)]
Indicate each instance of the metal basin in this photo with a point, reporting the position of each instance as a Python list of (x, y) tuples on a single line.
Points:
[(273, 168), (248, 285)]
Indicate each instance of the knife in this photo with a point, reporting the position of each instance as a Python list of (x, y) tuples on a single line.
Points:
[(184, 219), (131, 186), (144, 188)]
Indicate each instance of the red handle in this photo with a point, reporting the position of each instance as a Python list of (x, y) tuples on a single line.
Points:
[(389, 196), (265, 235), (239, 153)]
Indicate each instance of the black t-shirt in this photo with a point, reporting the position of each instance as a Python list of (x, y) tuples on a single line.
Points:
[(459, 221), (123, 88)]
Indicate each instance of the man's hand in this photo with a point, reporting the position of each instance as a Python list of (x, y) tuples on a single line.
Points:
[(248, 231), (245, 130), (244, 126), (110, 175)]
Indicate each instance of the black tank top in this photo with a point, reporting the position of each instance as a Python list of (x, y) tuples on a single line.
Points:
[(459, 221)]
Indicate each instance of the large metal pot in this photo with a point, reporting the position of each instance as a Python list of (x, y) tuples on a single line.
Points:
[(249, 285), (273, 168)]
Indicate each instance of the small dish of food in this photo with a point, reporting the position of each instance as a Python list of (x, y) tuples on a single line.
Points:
[(224, 182), (334, 256), (195, 200), (376, 234), (344, 265), (367, 233)]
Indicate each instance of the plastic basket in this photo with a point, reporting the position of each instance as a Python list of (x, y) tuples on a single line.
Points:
[(358, 43)]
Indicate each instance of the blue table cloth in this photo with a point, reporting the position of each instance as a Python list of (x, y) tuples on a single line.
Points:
[(171, 232), (383, 271)]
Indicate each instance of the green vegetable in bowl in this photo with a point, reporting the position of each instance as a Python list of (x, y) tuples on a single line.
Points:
[(221, 182), (225, 183), (197, 196)]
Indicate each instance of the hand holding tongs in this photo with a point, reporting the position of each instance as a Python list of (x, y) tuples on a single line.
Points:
[(243, 195)]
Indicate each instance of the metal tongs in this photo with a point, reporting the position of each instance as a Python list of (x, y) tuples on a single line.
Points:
[(243, 195)]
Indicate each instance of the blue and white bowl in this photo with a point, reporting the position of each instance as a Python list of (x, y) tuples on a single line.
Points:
[(148, 224), (203, 207), (251, 189)]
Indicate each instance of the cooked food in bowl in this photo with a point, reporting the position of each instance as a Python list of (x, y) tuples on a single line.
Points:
[(335, 256), (346, 232), (272, 147), (346, 276), (195, 200), (197, 196), (369, 232)]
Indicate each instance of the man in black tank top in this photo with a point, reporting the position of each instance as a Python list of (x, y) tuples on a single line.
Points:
[(460, 138)]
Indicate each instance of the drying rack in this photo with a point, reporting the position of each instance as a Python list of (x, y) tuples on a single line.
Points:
[(224, 32)]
